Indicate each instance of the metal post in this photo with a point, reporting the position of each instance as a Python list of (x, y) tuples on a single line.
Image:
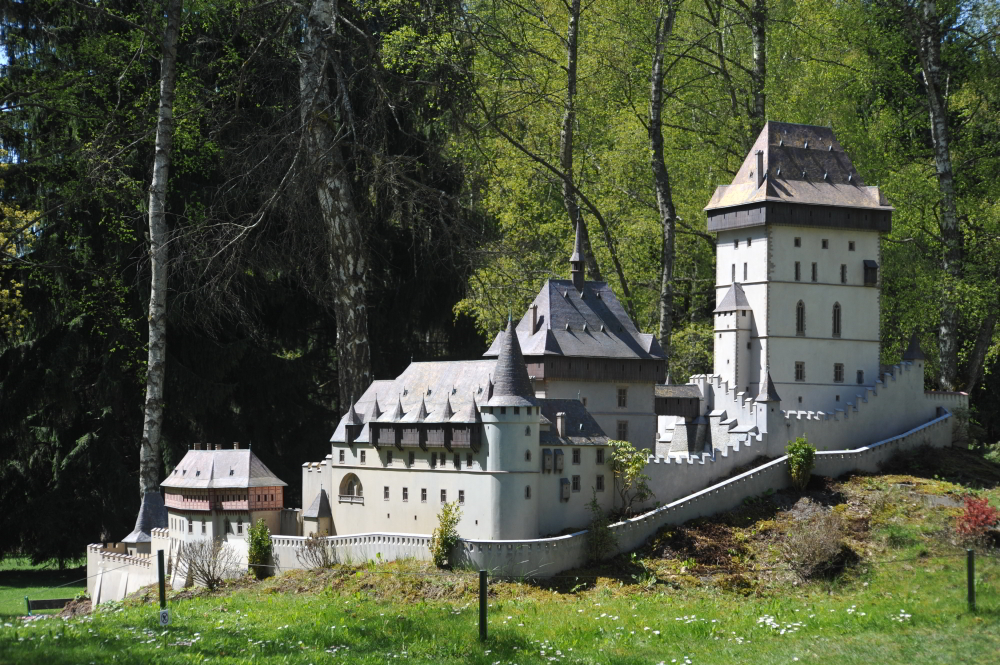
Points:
[(163, 588), (482, 605), (971, 570)]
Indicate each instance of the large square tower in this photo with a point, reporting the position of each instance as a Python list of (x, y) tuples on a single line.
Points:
[(797, 270)]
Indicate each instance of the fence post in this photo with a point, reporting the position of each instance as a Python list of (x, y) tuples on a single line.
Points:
[(971, 571), (482, 605)]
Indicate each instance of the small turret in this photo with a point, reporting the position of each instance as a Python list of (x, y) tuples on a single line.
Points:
[(513, 386), (576, 260)]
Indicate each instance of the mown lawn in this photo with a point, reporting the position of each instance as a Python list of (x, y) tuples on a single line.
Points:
[(19, 578)]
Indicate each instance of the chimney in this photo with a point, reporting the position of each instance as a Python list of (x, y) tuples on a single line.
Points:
[(760, 168), (236, 445), (561, 423), (534, 318)]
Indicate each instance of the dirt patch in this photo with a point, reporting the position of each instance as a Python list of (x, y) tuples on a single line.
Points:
[(76, 608)]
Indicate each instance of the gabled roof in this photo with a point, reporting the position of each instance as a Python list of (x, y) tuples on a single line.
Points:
[(734, 299), (152, 515), (803, 164), (588, 324), (228, 468), (682, 391), (320, 507), (581, 428)]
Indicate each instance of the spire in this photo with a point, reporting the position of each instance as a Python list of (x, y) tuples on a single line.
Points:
[(397, 413), (913, 351), (375, 410), (767, 393), (422, 411), (513, 387), (469, 414), (576, 260), (352, 417), (448, 411), (152, 515)]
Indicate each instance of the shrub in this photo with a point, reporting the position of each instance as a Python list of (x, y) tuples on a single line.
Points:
[(814, 547), (976, 519), (627, 465), (315, 552), (445, 536), (259, 553), (801, 460), (601, 541), (210, 562)]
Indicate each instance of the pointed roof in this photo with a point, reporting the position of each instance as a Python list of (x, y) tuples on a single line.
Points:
[(577, 245), (913, 351), (152, 515), (375, 412), (320, 507), (513, 387), (397, 413), (353, 418), (419, 415), (767, 393), (447, 412), (469, 414), (734, 299), (802, 164)]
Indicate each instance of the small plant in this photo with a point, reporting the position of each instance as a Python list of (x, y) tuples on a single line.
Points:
[(976, 519), (815, 547), (801, 460), (259, 552), (315, 552), (631, 483), (601, 541), (210, 562), (445, 536)]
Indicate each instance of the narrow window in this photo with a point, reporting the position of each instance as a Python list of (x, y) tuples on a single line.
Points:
[(800, 371), (203, 526), (423, 495), (744, 272), (434, 458), (411, 458), (385, 493), (388, 458), (585, 401), (406, 494), (622, 430), (836, 319), (576, 456), (468, 460), (600, 483), (527, 491), (503, 410), (748, 242), (576, 483), (825, 243), (600, 455), (362, 457), (736, 243), (798, 271), (871, 273), (239, 526), (527, 430), (734, 274), (461, 497), (444, 496), (798, 242), (190, 525), (850, 245), (861, 376), (622, 398), (838, 373), (527, 455), (814, 272), (341, 456), (800, 319), (843, 273), (517, 410), (457, 461)]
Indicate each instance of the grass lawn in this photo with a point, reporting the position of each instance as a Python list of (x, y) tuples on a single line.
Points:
[(19, 578)]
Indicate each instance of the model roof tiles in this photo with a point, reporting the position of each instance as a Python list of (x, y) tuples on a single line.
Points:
[(227, 468), (152, 515), (513, 386), (319, 508), (581, 428), (734, 299)]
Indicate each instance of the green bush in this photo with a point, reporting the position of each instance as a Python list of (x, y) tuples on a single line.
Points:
[(801, 460), (601, 541), (259, 553), (445, 536)]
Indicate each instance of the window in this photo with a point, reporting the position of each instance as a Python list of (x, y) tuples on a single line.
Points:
[(423, 495), (576, 483), (843, 273), (600, 455), (838, 373), (388, 457), (527, 430), (434, 459), (385, 493), (800, 371), (503, 410), (341, 456), (600, 483), (411, 458), (748, 242), (468, 460), (190, 525), (744, 272), (871, 273), (622, 430), (798, 271), (622, 398), (825, 243), (734, 274), (798, 242), (362, 457), (527, 491), (861, 376), (850, 245), (444, 496), (800, 319), (461, 497), (239, 526), (517, 410), (203, 526), (836, 319), (585, 401), (406, 494), (457, 461), (814, 272), (576, 456), (527, 455), (736, 243)]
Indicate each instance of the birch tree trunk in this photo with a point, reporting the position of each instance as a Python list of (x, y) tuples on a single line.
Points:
[(951, 235), (758, 75), (661, 177), (149, 449), (324, 118)]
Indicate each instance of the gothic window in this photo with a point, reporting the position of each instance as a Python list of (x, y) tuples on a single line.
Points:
[(836, 319), (350, 486), (800, 318)]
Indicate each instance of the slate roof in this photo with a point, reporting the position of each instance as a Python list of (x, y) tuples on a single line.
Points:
[(320, 507), (796, 159), (152, 515), (767, 393), (453, 382), (585, 324), (686, 391), (512, 386), (734, 299), (590, 434), (913, 351), (228, 468)]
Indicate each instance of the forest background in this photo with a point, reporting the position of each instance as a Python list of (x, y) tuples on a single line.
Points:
[(356, 184)]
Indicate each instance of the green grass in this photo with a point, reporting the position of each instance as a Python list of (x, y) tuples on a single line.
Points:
[(19, 578)]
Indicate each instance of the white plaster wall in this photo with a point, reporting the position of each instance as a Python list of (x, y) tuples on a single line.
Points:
[(602, 403), (556, 516), (754, 255)]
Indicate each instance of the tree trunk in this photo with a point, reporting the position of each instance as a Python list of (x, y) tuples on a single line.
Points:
[(149, 449), (974, 370), (951, 235), (661, 178), (758, 76), (566, 139), (322, 119)]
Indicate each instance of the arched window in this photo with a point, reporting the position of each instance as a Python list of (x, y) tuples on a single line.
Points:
[(836, 319), (350, 486), (800, 318)]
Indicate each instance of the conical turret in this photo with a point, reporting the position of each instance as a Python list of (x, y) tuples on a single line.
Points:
[(513, 386), (576, 260)]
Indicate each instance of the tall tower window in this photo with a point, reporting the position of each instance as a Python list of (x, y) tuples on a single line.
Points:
[(733, 279), (744, 272), (798, 271), (800, 371), (843, 273), (815, 274), (836, 319), (800, 319)]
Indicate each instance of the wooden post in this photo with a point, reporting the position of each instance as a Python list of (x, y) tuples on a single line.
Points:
[(971, 574), (482, 605), (163, 589)]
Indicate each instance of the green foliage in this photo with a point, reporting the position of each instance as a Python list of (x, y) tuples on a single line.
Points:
[(631, 484), (259, 550), (601, 541), (801, 460), (445, 536)]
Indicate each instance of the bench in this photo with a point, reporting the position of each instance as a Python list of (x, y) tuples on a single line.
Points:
[(53, 604)]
